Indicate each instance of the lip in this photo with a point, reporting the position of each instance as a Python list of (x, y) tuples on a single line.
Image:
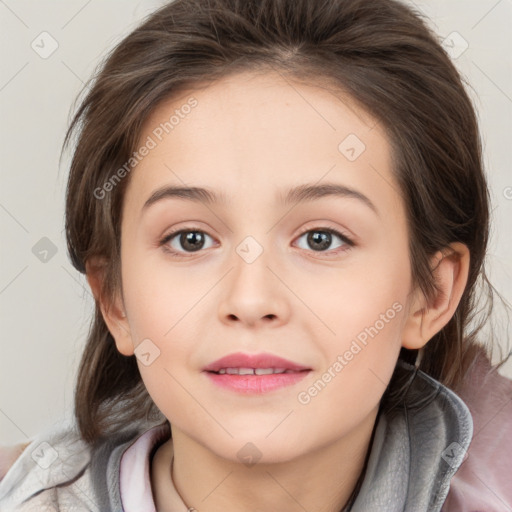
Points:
[(263, 360), (255, 384)]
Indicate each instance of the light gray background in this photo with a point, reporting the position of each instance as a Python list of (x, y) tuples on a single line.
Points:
[(46, 306)]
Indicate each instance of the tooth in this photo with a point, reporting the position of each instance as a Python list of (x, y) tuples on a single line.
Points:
[(253, 371), (263, 371), (246, 371)]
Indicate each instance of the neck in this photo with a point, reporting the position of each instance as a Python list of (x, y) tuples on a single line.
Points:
[(322, 480)]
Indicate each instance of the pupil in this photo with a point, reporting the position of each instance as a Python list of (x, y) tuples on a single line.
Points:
[(189, 239), (322, 238)]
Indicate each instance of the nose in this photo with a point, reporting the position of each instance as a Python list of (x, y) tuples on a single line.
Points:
[(253, 294)]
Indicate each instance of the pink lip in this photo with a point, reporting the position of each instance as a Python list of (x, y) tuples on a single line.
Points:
[(264, 360), (255, 384)]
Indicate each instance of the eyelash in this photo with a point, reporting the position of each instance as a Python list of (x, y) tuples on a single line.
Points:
[(349, 243), (177, 254)]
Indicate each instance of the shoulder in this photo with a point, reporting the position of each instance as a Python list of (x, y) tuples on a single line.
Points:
[(419, 419), (483, 480), (51, 459), (8, 456), (58, 470)]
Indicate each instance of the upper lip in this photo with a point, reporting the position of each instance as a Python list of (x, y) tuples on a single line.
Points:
[(264, 360)]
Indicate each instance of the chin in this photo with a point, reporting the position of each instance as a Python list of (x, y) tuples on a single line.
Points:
[(249, 450)]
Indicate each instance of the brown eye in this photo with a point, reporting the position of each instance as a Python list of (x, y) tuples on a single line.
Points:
[(185, 241), (321, 239), (191, 240)]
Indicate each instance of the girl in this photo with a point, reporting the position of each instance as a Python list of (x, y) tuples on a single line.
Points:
[(281, 210)]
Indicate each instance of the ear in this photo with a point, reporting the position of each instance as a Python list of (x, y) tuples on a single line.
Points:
[(113, 313), (425, 319)]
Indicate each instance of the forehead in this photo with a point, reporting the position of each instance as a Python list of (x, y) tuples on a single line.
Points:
[(254, 135)]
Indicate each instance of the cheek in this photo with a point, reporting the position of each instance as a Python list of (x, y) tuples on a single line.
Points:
[(158, 297), (163, 308), (356, 374), (362, 313), (358, 302)]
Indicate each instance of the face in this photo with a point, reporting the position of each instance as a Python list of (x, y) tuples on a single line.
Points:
[(320, 278)]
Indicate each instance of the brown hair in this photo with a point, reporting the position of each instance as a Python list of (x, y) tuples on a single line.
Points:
[(380, 52)]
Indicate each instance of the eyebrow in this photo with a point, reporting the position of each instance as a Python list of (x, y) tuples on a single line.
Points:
[(306, 192)]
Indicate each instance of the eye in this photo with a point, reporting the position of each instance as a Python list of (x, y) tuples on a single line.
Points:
[(190, 240), (320, 239)]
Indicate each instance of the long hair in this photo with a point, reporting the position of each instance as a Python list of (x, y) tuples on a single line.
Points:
[(380, 52)]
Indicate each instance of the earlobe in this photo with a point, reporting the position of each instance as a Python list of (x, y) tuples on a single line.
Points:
[(113, 312), (450, 268)]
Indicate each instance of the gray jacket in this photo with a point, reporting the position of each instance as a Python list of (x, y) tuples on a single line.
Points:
[(416, 450)]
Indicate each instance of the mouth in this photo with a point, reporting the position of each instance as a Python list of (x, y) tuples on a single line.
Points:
[(255, 374)]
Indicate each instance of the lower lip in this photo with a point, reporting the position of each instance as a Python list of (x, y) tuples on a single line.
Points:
[(256, 384)]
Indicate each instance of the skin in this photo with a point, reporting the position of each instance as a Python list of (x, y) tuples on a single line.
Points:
[(253, 137)]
